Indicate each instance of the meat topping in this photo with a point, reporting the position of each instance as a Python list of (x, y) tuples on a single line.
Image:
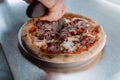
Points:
[(75, 36)]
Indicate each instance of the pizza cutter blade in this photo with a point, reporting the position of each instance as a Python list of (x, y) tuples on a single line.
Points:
[(36, 9)]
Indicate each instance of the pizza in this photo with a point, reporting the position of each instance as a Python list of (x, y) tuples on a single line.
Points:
[(78, 39)]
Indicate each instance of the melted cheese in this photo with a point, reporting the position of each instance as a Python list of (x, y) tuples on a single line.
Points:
[(68, 45), (75, 38), (67, 20), (91, 35), (40, 43), (71, 38)]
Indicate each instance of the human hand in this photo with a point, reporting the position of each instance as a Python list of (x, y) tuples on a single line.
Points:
[(56, 9)]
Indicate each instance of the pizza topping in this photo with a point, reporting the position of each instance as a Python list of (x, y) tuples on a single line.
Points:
[(40, 34), (49, 35), (80, 38), (67, 20), (73, 32), (75, 35), (64, 35), (54, 47), (44, 25), (40, 43), (79, 24), (33, 29), (87, 40), (68, 45)]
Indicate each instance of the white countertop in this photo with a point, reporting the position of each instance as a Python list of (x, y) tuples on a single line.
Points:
[(103, 12)]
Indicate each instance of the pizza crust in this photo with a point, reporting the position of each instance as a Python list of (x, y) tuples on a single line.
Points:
[(63, 58)]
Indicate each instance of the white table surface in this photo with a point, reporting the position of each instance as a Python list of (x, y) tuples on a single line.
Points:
[(103, 12)]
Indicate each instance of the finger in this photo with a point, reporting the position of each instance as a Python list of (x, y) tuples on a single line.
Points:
[(61, 13), (28, 1), (48, 3), (54, 16), (49, 17)]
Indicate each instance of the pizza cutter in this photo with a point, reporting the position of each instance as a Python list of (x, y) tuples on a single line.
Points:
[(36, 9)]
